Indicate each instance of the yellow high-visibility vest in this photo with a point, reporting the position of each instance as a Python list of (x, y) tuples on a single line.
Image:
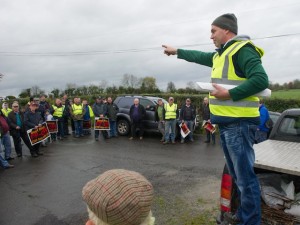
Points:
[(77, 109), (223, 72), (6, 111), (170, 111), (58, 111)]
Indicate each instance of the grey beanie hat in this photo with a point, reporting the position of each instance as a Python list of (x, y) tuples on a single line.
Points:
[(227, 21)]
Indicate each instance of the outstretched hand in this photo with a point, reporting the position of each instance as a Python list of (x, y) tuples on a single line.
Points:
[(220, 92), (169, 50)]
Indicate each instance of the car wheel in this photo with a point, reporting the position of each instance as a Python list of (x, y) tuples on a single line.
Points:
[(123, 127)]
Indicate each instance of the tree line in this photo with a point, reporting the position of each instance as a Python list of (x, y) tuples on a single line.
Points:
[(295, 84), (130, 84)]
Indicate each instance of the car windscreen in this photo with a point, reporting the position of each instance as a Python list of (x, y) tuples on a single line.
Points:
[(125, 102), (274, 116), (289, 129)]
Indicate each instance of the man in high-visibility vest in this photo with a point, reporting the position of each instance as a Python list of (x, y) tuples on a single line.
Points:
[(170, 121), (5, 109), (87, 116), (77, 112), (57, 111), (237, 61)]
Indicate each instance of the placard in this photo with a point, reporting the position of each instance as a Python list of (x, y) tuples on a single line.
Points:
[(184, 130), (209, 126), (52, 126), (101, 124), (39, 134)]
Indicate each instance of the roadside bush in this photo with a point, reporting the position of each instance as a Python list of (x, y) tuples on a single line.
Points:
[(279, 105), (273, 104)]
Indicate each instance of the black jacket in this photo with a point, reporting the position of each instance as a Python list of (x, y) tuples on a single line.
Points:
[(205, 112), (12, 119), (112, 110), (183, 112), (141, 110), (32, 119)]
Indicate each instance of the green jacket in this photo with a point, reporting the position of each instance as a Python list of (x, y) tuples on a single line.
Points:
[(247, 63)]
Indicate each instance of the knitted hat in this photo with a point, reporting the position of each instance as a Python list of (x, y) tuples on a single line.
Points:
[(227, 21), (119, 197)]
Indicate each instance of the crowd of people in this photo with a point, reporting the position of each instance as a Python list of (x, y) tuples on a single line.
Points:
[(17, 120)]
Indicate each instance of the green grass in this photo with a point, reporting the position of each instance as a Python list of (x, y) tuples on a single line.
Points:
[(179, 212), (286, 94)]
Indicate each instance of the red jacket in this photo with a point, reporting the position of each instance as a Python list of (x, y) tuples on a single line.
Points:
[(3, 125)]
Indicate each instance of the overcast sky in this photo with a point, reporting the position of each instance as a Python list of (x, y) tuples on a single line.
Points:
[(52, 43)]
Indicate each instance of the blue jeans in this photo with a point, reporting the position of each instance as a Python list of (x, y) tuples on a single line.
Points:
[(5, 138), (78, 127), (3, 162), (261, 136), (60, 127), (237, 141), (113, 128), (190, 124), (170, 125)]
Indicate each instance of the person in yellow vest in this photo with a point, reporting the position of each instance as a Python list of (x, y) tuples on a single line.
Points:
[(87, 117), (57, 111), (5, 109), (170, 121), (77, 112), (237, 61)]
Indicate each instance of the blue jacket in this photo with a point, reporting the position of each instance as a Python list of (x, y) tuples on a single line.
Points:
[(264, 116)]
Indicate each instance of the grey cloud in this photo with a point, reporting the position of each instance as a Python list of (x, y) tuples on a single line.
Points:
[(45, 26)]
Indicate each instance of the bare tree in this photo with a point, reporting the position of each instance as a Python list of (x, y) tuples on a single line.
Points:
[(130, 80), (36, 90), (70, 89), (55, 92), (191, 85), (148, 84), (103, 85), (93, 89), (171, 87)]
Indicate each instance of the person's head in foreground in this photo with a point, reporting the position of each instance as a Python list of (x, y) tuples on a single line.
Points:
[(119, 197)]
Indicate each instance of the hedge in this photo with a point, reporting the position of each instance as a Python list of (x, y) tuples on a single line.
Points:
[(273, 104)]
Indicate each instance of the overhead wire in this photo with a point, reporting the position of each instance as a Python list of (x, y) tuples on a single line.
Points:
[(119, 51)]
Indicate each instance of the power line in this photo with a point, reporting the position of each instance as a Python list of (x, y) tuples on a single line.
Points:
[(120, 51)]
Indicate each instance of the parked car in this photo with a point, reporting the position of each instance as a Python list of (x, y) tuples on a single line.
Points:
[(279, 156), (123, 119), (274, 116)]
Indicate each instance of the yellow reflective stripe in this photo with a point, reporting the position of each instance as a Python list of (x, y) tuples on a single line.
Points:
[(226, 63), (226, 81), (234, 112)]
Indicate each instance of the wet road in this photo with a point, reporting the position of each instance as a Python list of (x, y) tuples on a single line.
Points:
[(47, 190)]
